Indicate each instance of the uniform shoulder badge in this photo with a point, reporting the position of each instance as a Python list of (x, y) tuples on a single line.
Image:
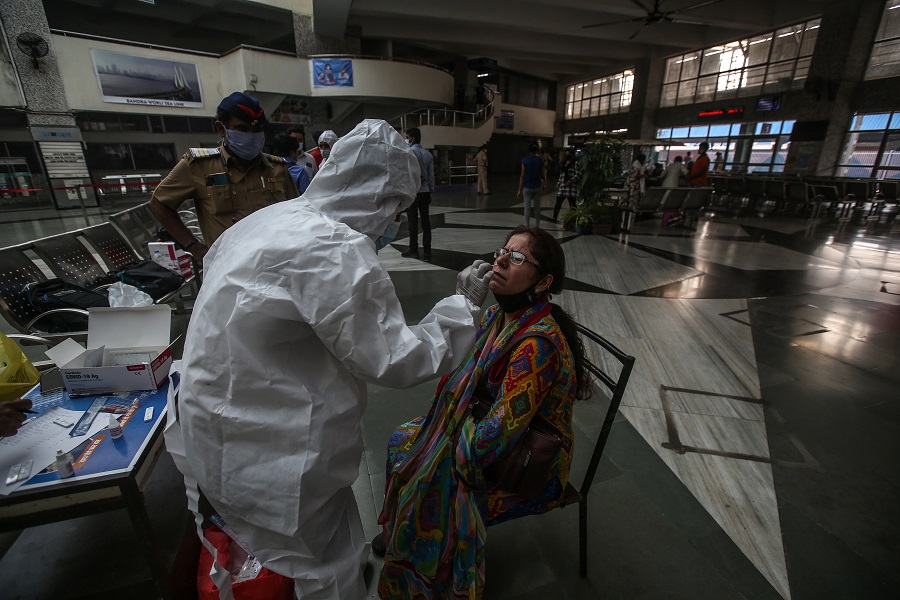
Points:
[(274, 159), (203, 152)]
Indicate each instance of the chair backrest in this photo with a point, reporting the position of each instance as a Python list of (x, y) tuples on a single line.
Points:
[(826, 192), (859, 189), (775, 189), (756, 187), (674, 199), (17, 271), (652, 199), (697, 198), (736, 184), (133, 226), (110, 244), (888, 190), (795, 191), (602, 359), (70, 260), (145, 216)]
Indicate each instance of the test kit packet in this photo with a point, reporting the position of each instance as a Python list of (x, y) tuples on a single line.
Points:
[(127, 349)]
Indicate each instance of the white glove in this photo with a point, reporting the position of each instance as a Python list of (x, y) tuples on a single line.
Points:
[(472, 282)]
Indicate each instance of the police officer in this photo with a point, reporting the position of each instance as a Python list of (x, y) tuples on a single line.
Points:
[(227, 183)]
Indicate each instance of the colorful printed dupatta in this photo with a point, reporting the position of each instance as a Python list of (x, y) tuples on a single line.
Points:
[(434, 526)]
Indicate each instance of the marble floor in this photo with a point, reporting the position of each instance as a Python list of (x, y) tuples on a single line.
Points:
[(754, 455)]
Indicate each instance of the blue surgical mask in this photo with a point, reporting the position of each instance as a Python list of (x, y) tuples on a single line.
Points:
[(244, 144), (326, 152), (389, 234), (408, 142)]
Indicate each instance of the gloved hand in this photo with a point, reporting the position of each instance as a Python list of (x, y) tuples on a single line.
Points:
[(472, 282)]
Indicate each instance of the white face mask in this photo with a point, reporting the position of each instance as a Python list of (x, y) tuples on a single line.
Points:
[(244, 144)]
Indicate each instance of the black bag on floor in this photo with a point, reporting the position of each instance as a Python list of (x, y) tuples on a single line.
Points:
[(151, 278)]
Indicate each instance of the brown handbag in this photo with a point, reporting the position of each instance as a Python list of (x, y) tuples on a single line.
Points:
[(525, 468)]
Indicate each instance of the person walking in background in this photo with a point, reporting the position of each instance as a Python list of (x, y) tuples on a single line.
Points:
[(675, 174), (567, 186), (531, 182), (699, 171), (719, 163), (481, 161), (420, 208)]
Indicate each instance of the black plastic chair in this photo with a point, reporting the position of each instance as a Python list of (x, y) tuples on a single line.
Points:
[(694, 204), (606, 358), (603, 360)]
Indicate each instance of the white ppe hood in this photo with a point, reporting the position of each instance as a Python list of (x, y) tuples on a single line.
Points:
[(294, 315)]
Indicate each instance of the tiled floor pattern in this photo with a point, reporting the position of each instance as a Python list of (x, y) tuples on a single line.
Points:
[(714, 522)]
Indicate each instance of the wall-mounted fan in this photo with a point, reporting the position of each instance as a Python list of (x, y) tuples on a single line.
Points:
[(33, 45), (655, 15)]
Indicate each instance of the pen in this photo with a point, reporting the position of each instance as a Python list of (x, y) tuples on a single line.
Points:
[(262, 181), (30, 412)]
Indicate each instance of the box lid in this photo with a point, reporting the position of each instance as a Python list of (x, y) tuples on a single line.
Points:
[(129, 327), (65, 352)]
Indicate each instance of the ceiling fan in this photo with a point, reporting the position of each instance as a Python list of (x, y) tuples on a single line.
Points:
[(655, 15)]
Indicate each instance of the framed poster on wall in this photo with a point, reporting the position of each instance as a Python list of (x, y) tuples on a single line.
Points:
[(336, 72), (131, 79)]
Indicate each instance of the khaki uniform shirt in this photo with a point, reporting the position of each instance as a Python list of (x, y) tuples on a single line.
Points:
[(224, 189), (481, 159)]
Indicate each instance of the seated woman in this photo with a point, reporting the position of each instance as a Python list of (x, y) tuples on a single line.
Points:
[(439, 498)]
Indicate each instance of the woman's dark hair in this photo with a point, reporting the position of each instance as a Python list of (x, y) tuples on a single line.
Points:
[(552, 260)]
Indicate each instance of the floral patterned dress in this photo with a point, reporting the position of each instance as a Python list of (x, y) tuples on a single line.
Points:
[(437, 500)]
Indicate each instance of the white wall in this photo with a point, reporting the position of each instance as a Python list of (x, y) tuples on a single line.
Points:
[(528, 121), (83, 89), (388, 79), (275, 74)]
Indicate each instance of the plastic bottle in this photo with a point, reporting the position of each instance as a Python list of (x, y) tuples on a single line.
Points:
[(64, 465), (115, 430)]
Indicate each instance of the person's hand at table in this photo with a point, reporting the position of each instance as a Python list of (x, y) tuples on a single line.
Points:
[(12, 415)]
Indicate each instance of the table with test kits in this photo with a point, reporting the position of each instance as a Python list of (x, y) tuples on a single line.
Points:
[(109, 474)]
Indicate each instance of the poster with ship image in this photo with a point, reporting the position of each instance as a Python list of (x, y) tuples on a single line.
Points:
[(131, 79)]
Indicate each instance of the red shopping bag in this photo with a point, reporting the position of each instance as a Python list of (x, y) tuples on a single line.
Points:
[(268, 585)]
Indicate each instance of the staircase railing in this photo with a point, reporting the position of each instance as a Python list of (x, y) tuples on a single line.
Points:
[(447, 117)]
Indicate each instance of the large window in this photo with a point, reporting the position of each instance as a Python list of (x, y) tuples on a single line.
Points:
[(600, 96), (103, 121), (130, 157), (746, 147), (885, 60), (772, 62), (873, 147)]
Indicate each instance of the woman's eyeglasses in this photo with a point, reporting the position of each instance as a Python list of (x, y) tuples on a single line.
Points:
[(515, 257)]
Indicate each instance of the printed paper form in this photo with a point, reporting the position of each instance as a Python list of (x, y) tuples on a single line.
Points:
[(38, 440)]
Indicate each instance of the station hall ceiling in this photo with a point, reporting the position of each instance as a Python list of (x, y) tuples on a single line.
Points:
[(543, 38)]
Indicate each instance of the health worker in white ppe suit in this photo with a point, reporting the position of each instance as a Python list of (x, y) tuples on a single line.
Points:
[(294, 316)]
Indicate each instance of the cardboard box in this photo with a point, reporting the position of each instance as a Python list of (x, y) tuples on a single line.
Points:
[(184, 262), (127, 349), (163, 254)]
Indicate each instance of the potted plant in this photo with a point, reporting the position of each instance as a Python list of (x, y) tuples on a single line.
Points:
[(600, 163)]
